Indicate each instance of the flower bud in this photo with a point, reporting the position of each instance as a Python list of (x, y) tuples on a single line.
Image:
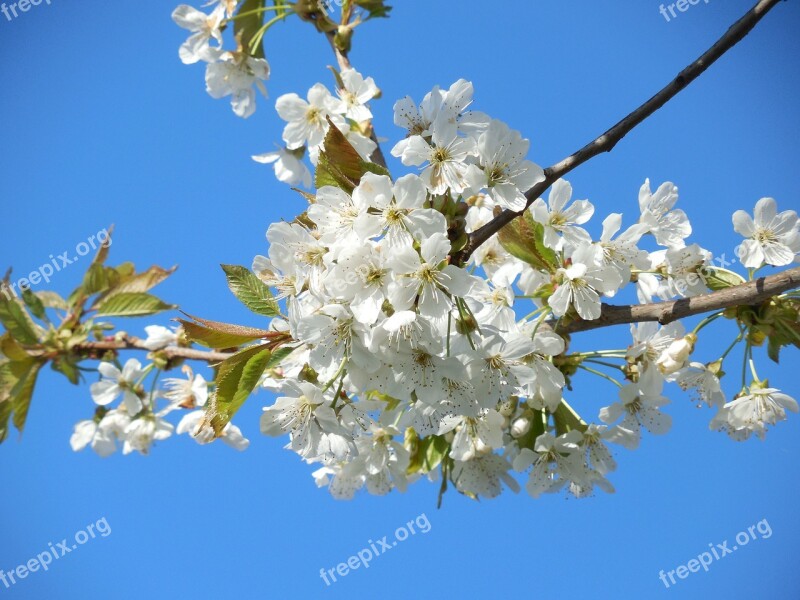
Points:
[(675, 356), (520, 427)]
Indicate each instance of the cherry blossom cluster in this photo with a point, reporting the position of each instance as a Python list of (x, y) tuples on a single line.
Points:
[(395, 344), (137, 421), (233, 73), (308, 121), (404, 363)]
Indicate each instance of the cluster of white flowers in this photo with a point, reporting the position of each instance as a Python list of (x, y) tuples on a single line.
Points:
[(231, 73), (399, 354), (308, 121), (390, 337), (135, 422)]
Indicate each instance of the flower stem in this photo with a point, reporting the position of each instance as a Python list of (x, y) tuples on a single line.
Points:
[(747, 353), (605, 364), (540, 321), (709, 319), (753, 366), (732, 346), (261, 10), (260, 33), (607, 353), (335, 377), (600, 374)]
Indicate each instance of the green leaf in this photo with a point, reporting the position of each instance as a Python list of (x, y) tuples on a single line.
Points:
[(34, 303), (102, 252), (215, 338), (7, 382), (52, 300), (98, 279), (17, 381), (250, 290), (340, 165), (434, 449), (427, 453), (67, 367), (331, 174), (132, 305), (278, 355), (523, 238), (376, 8), (246, 27), (5, 415), (142, 282), (717, 278), (774, 348), (17, 321), (22, 393), (237, 377), (230, 328), (11, 349)]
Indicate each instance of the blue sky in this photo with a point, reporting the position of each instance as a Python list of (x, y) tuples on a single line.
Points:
[(102, 124)]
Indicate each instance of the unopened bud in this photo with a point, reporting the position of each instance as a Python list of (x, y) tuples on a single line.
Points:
[(675, 356), (520, 427)]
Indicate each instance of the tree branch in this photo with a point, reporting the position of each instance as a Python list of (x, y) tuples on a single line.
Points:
[(134, 343), (607, 141), (746, 294)]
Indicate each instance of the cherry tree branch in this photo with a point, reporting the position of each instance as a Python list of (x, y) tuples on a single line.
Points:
[(607, 141), (746, 294), (134, 343)]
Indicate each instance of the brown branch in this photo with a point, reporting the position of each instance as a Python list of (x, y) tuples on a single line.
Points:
[(746, 294), (134, 343), (607, 141), (341, 57)]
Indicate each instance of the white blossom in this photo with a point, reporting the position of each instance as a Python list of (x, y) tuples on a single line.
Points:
[(669, 226), (561, 223), (116, 382), (772, 238), (235, 74)]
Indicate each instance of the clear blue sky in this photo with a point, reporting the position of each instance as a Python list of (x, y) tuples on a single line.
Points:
[(101, 123)]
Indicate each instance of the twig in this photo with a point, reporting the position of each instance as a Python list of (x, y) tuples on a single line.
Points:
[(745, 294), (607, 141), (134, 343)]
